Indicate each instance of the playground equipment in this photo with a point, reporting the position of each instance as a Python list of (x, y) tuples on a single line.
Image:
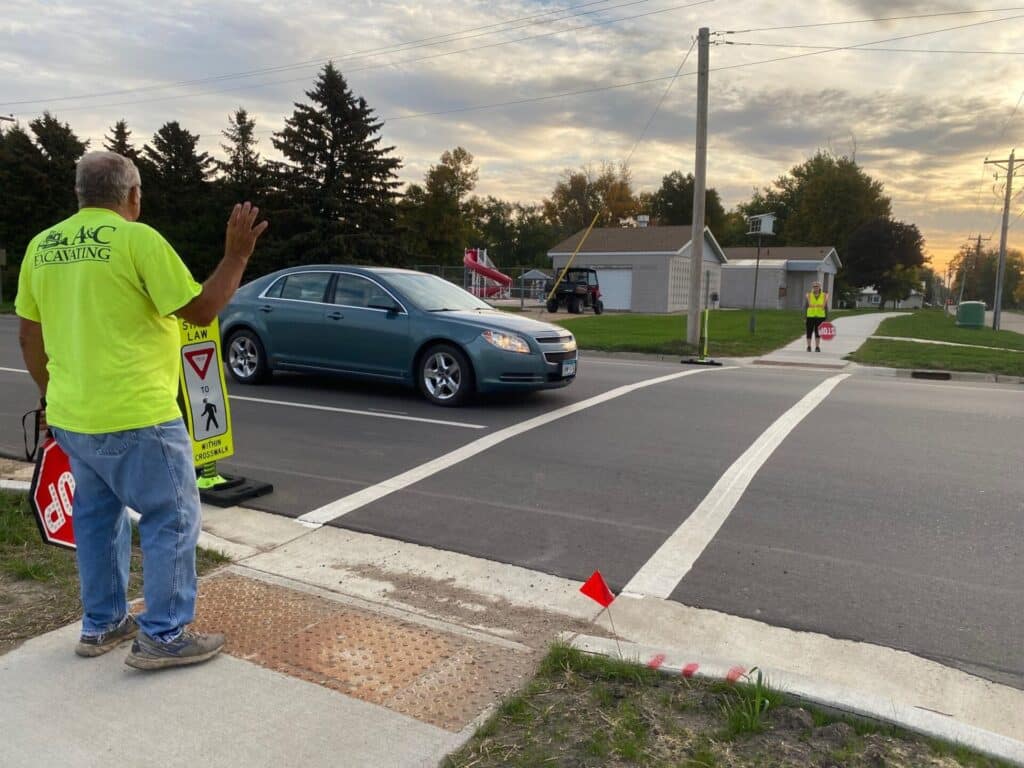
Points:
[(487, 282)]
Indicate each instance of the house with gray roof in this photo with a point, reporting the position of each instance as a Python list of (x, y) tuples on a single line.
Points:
[(643, 269), (784, 276)]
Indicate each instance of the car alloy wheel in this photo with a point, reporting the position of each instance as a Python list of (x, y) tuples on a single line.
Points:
[(442, 376), (445, 376), (246, 359)]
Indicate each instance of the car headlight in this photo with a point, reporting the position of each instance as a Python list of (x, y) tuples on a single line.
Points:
[(506, 341)]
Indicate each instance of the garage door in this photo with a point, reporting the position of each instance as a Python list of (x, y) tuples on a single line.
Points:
[(616, 288)]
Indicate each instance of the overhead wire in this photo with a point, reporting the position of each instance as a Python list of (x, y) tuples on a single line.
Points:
[(883, 50), (816, 25), (645, 81), (394, 48), (443, 54)]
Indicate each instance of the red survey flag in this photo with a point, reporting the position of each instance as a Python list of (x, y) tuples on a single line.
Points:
[(597, 590)]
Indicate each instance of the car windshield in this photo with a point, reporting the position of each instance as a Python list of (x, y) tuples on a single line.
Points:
[(434, 294)]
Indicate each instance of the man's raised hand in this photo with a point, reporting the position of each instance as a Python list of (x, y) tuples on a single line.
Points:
[(243, 231)]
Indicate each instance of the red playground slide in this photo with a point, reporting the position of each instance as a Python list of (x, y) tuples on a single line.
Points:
[(503, 280)]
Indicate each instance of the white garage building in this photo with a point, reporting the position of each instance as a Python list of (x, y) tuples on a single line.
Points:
[(643, 269), (783, 279)]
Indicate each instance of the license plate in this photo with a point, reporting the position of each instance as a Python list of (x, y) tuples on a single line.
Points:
[(568, 369)]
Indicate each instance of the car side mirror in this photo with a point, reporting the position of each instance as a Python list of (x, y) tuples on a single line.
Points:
[(390, 307)]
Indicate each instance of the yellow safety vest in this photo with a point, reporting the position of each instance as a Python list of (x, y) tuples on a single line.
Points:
[(816, 306)]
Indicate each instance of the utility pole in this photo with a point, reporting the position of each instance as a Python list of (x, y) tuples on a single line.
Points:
[(977, 261), (997, 303), (700, 170)]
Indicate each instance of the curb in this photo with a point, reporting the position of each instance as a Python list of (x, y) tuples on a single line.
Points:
[(924, 722)]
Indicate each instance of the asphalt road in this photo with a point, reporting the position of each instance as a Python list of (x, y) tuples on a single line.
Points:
[(892, 514)]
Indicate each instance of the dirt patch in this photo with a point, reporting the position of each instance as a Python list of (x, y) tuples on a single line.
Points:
[(443, 598), (583, 711)]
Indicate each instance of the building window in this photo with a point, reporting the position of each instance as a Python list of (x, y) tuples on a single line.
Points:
[(876, 299)]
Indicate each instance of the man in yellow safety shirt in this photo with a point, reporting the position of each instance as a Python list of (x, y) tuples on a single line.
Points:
[(816, 307), (99, 297)]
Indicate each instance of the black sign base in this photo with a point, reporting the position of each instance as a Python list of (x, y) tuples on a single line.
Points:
[(234, 492)]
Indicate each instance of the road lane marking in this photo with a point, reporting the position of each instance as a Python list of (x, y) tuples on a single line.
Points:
[(355, 412), (313, 407), (401, 481), (660, 575)]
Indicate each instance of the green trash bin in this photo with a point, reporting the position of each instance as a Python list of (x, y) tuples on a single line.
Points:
[(971, 314)]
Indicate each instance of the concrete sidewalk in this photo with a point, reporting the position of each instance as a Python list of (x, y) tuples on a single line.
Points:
[(851, 332), (347, 649)]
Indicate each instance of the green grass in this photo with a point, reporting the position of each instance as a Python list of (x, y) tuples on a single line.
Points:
[(39, 582), (730, 334), (589, 711), (6, 307), (935, 325), (909, 354), (746, 709)]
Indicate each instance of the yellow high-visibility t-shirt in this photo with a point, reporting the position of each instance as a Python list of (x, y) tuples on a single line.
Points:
[(104, 290)]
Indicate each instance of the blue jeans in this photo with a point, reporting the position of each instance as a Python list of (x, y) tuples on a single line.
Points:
[(150, 470)]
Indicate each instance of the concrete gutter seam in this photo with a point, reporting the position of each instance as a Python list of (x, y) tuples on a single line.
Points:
[(915, 719), (22, 486)]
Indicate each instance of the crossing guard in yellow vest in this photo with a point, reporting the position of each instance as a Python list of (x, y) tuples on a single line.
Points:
[(816, 306)]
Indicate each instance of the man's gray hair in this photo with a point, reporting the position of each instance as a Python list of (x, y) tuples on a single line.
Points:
[(104, 178)]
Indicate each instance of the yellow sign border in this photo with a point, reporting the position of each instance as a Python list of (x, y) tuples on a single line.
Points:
[(214, 448)]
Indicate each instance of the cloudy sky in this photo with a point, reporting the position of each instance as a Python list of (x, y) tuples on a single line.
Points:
[(920, 115)]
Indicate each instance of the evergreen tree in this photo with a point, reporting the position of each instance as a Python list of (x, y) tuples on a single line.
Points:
[(178, 199), (338, 184), (243, 170), (25, 212), (61, 150), (119, 141)]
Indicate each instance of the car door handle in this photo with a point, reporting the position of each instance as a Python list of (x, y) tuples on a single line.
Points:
[(266, 308), (335, 316)]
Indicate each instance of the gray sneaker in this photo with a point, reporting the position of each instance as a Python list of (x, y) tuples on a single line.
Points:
[(97, 645), (186, 648)]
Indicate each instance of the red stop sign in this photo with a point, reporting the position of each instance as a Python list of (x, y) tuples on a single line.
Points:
[(52, 491), (827, 331)]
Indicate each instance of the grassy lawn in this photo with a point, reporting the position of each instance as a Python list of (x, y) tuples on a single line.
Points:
[(6, 307), (909, 354), (584, 711), (39, 583), (936, 325), (666, 334)]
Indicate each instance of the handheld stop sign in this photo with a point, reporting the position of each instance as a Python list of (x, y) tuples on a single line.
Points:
[(52, 493), (827, 331)]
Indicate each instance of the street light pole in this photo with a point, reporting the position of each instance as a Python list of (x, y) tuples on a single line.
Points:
[(757, 270), (700, 166)]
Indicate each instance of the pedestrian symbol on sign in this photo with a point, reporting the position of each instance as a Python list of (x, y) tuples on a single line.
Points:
[(210, 412)]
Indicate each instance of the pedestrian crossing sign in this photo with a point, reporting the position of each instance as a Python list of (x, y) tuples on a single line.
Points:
[(204, 393)]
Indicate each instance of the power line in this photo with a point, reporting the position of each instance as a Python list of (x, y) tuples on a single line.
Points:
[(598, 89), (448, 37), (875, 42), (868, 21), (661, 101), (884, 50), (472, 49)]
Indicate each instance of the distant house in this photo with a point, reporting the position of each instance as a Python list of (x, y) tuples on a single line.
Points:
[(783, 279), (869, 297), (643, 269)]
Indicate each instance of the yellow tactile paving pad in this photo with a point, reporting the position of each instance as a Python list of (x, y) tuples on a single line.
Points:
[(437, 677)]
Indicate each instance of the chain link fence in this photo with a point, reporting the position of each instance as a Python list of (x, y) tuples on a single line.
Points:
[(526, 289)]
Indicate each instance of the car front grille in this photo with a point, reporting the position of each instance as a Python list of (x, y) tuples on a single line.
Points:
[(521, 378), (557, 357)]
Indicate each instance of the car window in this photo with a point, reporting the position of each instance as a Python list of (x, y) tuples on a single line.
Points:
[(433, 294), (356, 291), (274, 292), (305, 286)]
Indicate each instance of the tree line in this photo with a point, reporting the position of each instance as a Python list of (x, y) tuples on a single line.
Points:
[(335, 197)]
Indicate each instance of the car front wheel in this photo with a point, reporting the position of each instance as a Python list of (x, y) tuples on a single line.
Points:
[(247, 360), (445, 376)]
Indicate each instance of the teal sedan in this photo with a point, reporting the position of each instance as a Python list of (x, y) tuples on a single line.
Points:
[(393, 325)]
